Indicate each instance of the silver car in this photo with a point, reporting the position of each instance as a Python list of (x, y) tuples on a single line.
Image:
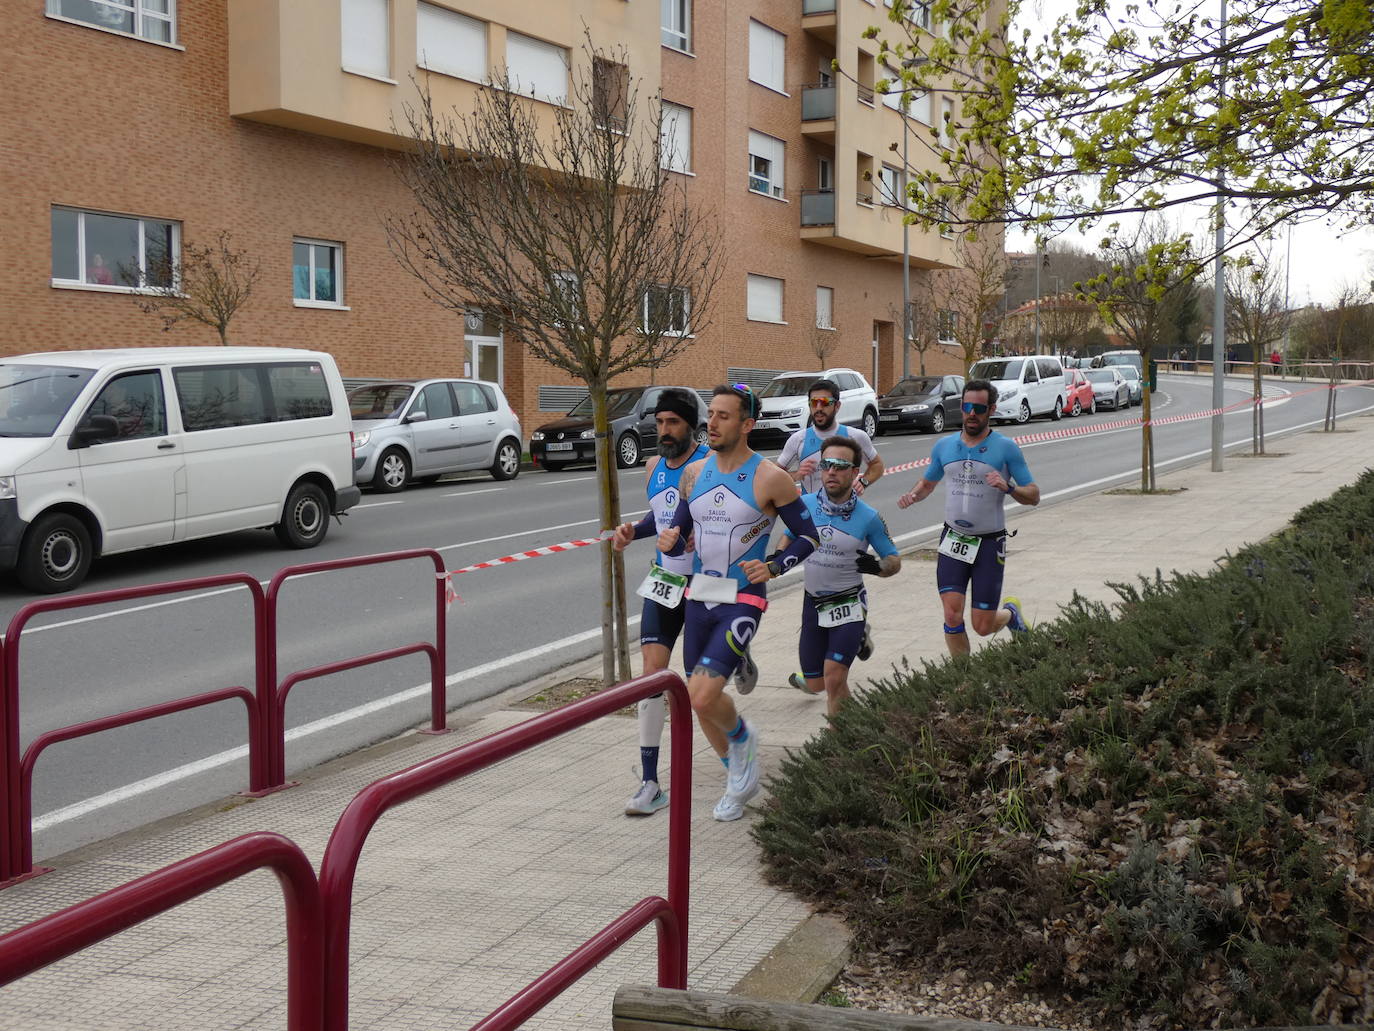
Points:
[(1134, 383), (1109, 387), (421, 429)]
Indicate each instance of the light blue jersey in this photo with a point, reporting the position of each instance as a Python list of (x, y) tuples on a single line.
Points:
[(808, 443), (663, 495), (830, 569), (729, 525), (971, 506)]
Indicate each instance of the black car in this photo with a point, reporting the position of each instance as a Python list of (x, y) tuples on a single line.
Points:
[(927, 403), (633, 430)]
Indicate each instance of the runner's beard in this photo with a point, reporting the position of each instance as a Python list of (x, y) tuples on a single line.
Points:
[(841, 497), (671, 447)]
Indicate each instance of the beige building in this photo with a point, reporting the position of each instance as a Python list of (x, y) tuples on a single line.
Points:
[(275, 120)]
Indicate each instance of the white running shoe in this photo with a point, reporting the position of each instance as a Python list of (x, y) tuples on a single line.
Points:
[(649, 799), (747, 675), (743, 781), (728, 808)]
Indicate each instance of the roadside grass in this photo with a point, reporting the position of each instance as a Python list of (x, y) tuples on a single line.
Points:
[(1165, 809)]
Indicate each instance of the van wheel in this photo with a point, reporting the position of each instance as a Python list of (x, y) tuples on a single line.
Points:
[(507, 463), (305, 518), (393, 471), (1058, 412), (870, 422), (56, 554), (1023, 413)]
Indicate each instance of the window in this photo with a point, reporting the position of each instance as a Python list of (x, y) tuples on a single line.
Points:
[(675, 138), (666, 310), (135, 402), (891, 187), (537, 69), (825, 307), (367, 37), (94, 249), (915, 11), (765, 299), (147, 19), (766, 155), (472, 399), (767, 50), (451, 43), (947, 120), (299, 391), (436, 402), (213, 397), (825, 174), (918, 103), (677, 24), (317, 268), (946, 324), (610, 92)]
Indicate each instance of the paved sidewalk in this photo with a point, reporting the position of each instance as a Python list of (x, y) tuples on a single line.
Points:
[(466, 894)]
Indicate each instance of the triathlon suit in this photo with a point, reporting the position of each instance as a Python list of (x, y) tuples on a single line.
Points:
[(808, 442), (834, 583), (730, 528), (657, 624), (974, 509)]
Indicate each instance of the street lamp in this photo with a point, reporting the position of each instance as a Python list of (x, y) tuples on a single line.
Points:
[(909, 63)]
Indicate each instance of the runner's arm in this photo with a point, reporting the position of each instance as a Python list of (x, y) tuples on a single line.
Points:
[(1026, 491), (889, 560), (787, 458), (627, 532), (875, 469), (801, 528)]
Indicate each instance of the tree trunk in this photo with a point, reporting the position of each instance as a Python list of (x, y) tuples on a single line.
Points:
[(622, 616), (605, 475), (1147, 444), (1257, 417)]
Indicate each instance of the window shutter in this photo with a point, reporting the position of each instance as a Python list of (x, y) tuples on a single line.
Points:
[(767, 56), (676, 142), (449, 42), (775, 151), (765, 299), (825, 305), (537, 69), (367, 37)]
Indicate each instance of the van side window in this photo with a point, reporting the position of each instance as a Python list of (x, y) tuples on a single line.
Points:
[(215, 396), (135, 402), (299, 391), (1049, 368), (471, 399), (436, 402), (1030, 376)]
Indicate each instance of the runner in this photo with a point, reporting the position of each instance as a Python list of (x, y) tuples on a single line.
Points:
[(803, 448), (986, 468), (662, 616), (835, 609), (730, 500)]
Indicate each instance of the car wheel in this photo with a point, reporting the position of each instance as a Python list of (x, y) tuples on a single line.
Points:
[(1023, 413), (393, 471), (507, 463), (627, 451), (700, 436), (305, 516), (1058, 412), (1077, 409), (1092, 406), (56, 554), (937, 421), (870, 422)]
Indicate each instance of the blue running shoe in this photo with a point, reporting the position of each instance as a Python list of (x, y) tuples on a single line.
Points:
[(1017, 624)]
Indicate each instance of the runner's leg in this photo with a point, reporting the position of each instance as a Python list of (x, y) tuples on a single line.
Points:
[(987, 615)]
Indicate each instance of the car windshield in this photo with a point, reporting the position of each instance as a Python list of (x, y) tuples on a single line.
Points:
[(1101, 375), (1129, 371), (380, 401), (789, 386), (34, 398), (918, 386), (618, 403), (1002, 368), (1121, 359)]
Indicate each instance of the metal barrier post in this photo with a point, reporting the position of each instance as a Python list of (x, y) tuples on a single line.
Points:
[(9, 773)]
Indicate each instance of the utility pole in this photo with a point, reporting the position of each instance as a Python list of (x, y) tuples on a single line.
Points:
[(1219, 294)]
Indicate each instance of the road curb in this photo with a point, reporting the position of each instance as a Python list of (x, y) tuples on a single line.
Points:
[(801, 966)]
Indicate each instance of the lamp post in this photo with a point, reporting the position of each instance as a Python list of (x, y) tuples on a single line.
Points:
[(1219, 293), (912, 62)]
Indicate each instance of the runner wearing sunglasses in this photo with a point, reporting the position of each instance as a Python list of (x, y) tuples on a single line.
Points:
[(985, 469), (803, 448), (835, 608), (730, 500)]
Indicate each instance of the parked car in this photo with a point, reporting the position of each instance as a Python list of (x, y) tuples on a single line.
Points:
[(421, 429), (1026, 387), (634, 433), (114, 450), (1109, 386), (1132, 358), (927, 403), (784, 407), (1134, 382), (1078, 393)]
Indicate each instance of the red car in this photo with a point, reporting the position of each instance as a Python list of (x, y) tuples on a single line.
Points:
[(1078, 393)]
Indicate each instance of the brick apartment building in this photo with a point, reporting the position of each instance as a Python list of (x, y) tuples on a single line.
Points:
[(138, 123)]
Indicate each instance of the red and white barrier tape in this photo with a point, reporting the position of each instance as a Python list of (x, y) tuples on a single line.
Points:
[(520, 556)]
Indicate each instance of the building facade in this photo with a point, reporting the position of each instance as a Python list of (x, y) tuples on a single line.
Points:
[(276, 120)]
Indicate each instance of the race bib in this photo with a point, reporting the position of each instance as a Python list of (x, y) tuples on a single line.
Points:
[(663, 587), (830, 614), (957, 546), (714, 589)]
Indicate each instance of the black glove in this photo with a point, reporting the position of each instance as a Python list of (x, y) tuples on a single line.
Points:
[(868, 563)]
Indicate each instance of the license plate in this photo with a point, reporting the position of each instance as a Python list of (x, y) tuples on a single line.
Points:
[(558, 447), (889, 418)]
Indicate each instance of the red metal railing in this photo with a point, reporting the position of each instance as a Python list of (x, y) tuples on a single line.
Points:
[(437, 650), (57, 936), (340, 864)]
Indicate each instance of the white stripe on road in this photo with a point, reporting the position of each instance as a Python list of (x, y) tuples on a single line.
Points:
[(470, 493), (375, 504)]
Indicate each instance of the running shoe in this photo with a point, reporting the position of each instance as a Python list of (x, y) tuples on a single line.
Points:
[(866, 648), (747, 675), (649, 799), (1017, 624), (799, 682), (743, 781), (728, 808)]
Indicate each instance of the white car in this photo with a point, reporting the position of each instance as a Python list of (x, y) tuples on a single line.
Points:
[(1026, 386), (784, 403), (1109, 387)]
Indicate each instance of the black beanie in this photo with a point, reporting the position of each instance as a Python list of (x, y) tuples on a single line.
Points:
[(681, 404)]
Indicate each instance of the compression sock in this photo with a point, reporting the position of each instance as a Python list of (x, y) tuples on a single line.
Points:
[(740, 732), (648, 758), (652, 714)]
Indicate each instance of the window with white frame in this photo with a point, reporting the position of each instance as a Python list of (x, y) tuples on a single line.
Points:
[(764, 299), (767, 56), (148, 19), (367, 37), (675, 138), (915, 11), (667, 310), (946, 325), (563, 287), (91, 248), (825, 307), (947, 120), (767, 155), (677, 24), (537, 69), (317, 273), (450, 43), (892, 187), (918, 102)]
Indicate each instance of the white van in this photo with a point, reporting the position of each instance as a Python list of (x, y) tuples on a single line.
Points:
[(1027, 386), (109, 451)]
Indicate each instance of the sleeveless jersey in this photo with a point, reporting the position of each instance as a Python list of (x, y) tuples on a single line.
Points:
[(971, 506), (729, 525), (830, 568), (663, 495)]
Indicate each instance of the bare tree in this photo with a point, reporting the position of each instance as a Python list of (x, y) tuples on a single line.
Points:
[(206, 283), (1256, 316), (567, 225), (969, 298), (1335, 333), (921, 319), (824, 340)]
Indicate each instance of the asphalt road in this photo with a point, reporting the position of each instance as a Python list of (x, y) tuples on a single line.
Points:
[(510, 625)]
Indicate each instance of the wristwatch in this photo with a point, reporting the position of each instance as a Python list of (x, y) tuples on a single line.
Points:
[(864, 481)]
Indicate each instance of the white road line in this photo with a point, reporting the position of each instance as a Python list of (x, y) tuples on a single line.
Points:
[(470, 493), (375, 504)]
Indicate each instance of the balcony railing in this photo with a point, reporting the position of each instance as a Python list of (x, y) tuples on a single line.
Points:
[(818, 102), (818, 207), (865, 93), (864, 198), (818, 6)]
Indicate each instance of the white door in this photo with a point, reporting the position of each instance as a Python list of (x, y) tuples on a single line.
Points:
[(482, 345)]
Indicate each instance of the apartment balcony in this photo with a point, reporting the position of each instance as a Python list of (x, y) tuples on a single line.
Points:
[(817, 208), (860, 223), (819, 19), (818, 112)]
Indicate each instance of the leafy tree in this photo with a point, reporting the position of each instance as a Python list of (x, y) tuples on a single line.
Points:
[(205, 283), (568, 226)]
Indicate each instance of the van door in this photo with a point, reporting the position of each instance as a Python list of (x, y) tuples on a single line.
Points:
[(476, 425), (438, 438), (1051, 381), (131, 481)]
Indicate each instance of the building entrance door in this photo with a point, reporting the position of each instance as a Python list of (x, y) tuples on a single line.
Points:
[(483, 341)]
